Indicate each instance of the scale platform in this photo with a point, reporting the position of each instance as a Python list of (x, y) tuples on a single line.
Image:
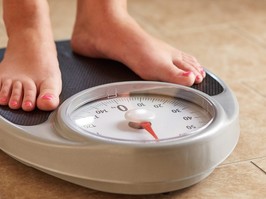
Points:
[(94, 155)]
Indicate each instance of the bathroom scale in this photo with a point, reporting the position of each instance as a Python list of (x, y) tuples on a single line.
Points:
[(115, 132)]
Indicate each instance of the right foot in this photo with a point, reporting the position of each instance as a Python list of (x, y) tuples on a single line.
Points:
[(29, 74)]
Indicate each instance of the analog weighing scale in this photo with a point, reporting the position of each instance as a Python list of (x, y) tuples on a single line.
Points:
[(114, 132)]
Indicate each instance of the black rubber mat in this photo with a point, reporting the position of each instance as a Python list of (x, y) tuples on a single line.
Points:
[(79, 73)]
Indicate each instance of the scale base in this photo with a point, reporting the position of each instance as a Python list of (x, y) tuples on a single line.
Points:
[(137, 188)]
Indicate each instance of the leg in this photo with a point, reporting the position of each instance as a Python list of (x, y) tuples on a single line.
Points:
[(105, 29), (29, 72)]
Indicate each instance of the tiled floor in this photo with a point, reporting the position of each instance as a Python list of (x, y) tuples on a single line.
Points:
[(229, 38)]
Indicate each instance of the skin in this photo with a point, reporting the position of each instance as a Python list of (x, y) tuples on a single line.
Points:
[(28, 79)]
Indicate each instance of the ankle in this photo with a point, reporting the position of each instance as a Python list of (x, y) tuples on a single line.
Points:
[(26, 14), (101, 9)]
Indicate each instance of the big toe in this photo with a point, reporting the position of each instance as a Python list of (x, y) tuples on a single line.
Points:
[(48, 101), (48, 98), (178, 76)]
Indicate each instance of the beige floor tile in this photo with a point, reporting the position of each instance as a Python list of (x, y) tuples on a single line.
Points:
[(62, 14), (257, 85), (3, 37), (242, 10), (253, 30), (190, 14), (161, 19), (179, 14)]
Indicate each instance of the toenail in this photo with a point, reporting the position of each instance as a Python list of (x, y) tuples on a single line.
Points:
[(28, 104), (198, 77), (14, 103), (186, 74), (3, 99), (47, 97)]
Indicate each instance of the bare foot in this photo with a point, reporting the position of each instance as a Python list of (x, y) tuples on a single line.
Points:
[(29, 71), (29, 74), (120, 38)]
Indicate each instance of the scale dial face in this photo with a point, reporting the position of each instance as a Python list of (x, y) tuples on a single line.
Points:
[(145, 116)]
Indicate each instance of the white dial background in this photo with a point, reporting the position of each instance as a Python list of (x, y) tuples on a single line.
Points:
[(174, 117)]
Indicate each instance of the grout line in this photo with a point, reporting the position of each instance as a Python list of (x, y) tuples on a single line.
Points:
[(263, 171), (242, 161)]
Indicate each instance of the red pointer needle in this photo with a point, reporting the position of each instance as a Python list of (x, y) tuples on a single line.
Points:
[(147, 127)]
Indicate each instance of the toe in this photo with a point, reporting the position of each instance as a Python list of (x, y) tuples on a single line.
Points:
[(6, 87), (16, 95), (186, 78), (178, 76), (29, 98), (189, 63), (48, 98)]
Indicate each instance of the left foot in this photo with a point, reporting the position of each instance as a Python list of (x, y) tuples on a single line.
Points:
[(120, 38)]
